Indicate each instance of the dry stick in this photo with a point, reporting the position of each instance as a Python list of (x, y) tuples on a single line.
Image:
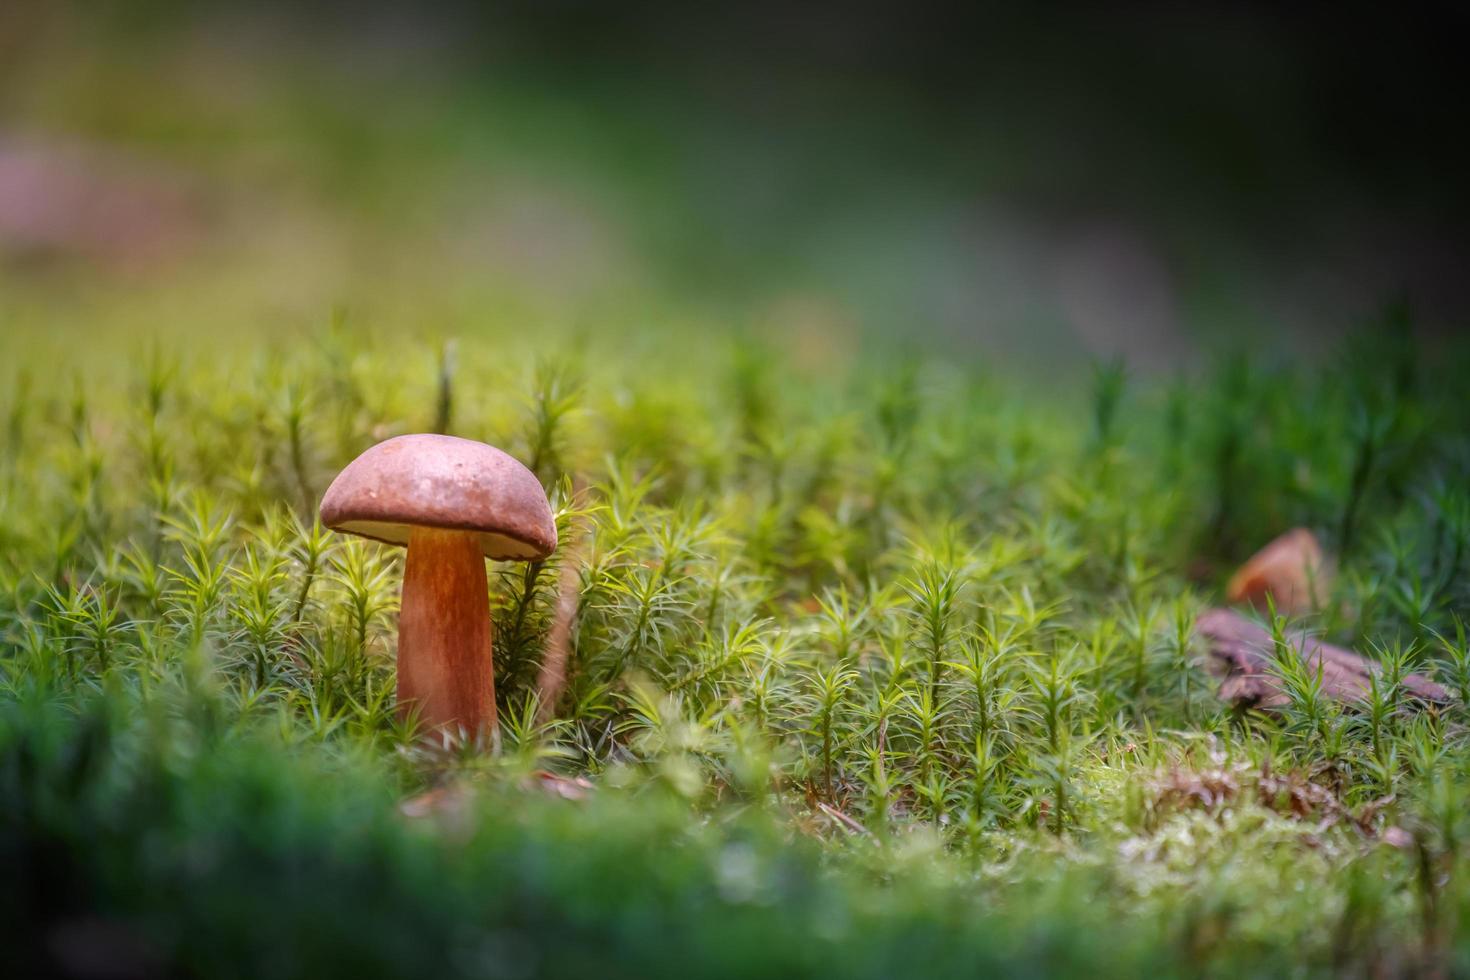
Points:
[(552, 678), (846, 822), (1243, 651)]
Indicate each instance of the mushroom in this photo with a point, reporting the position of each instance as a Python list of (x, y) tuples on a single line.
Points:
[(1291, 570), (454, 502)]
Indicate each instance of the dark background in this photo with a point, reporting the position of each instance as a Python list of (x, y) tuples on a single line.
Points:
[(1137, 178)]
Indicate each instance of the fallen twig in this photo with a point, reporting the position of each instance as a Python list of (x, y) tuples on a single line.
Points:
[(552, 678), (1244, 652), (843, 820)]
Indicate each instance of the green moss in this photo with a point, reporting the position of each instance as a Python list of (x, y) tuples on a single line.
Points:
[(885, 681)]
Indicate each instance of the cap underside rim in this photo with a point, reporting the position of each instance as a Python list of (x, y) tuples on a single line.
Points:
[(495, 545)]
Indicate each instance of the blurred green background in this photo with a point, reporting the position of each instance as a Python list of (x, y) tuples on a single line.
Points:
[(1037, 187)]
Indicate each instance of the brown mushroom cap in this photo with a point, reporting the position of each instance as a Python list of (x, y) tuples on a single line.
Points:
[(1290, 569), (442, 482)]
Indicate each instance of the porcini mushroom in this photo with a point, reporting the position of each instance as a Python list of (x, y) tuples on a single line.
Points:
[(454, 503)]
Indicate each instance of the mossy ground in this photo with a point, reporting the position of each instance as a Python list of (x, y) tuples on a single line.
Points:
[(875, 661)]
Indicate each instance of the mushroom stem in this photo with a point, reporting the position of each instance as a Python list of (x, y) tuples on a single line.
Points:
[(444, 664)]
